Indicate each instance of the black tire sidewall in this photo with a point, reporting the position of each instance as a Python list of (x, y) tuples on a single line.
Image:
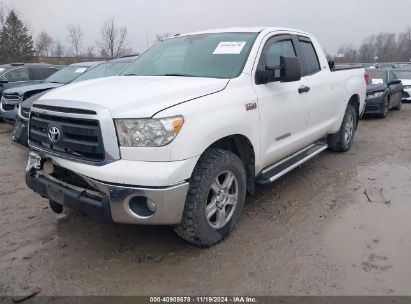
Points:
[(219, 234), (348, 112), (205, 235)]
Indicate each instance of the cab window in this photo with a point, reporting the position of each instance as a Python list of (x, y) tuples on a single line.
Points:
[(41, 73), (274, 49), (21, 74), (312, 63)]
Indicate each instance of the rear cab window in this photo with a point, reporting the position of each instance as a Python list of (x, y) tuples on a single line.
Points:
[(41, 73), (19, 74), (312, 64)]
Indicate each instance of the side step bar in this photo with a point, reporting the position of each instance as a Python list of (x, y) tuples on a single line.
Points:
[(275, 171)]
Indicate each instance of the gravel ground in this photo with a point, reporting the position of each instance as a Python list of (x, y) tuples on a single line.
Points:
[(338, 225)]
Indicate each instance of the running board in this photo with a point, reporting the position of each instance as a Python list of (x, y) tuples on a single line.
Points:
[(275, 171)]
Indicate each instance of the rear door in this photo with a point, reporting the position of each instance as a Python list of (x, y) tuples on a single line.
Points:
[(321, 103), (283, 110)]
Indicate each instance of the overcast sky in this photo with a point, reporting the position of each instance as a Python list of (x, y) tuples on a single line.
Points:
[(333, 22)]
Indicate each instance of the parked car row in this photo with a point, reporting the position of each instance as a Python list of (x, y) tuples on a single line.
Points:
[(71, 74)]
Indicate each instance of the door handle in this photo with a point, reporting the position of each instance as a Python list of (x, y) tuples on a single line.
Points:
[(304, 89)]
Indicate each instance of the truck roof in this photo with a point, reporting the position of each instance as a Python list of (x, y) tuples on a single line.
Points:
[(256, 29)]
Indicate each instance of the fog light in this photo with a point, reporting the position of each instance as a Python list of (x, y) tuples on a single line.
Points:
[(142, 206), (151, 206)]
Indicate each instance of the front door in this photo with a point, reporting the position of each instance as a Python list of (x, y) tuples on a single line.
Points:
[(283, 109)]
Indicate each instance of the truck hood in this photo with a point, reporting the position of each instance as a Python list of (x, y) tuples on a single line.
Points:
[(21, 90), (136, 96)]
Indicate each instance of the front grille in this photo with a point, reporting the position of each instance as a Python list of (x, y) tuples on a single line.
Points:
[(12, 96), (25, 112), (78, 138), (7, 107)]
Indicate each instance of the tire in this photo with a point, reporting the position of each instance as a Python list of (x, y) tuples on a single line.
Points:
[(56, 207), (342, 140), (398, 107), (214, 168), (386, 107)]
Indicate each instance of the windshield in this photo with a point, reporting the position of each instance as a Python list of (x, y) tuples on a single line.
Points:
[(106, 69), (377, 76), (402, 74), (66, 74), (221, 55)]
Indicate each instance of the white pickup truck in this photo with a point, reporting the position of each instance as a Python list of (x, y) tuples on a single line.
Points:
[(189, 128)]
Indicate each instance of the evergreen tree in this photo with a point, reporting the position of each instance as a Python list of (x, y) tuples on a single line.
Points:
[(16, 42)]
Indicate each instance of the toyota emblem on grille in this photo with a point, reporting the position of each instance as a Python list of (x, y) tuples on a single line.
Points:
[(54, 134)]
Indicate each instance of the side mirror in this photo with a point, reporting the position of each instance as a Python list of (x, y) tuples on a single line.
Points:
[(4, 80), (395, 81), (290, 70)]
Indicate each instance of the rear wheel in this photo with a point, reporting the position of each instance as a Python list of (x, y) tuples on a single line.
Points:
[(342, 140), (215, 198)]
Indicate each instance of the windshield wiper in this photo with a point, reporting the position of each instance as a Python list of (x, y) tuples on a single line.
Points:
[(178, 74), (131, 75)]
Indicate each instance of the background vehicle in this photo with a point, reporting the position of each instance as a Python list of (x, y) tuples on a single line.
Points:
[(15, 74), (14, 96), (105, 69), (384, 92), (405, 76), (18, 74), (190, 127)]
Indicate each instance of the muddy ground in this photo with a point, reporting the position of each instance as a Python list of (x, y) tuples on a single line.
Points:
[(338, 225)]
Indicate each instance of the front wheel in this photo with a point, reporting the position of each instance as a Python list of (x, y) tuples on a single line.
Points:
[(215, 198), (342, 140), (398, 107), (385, 107)]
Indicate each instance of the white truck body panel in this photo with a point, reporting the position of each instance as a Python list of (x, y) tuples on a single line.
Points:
[(280, 122)]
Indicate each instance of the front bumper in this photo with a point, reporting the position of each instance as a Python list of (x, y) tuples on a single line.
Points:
[(406, 95), (120, 203), (20, 133), (374, 105), (9, 115)]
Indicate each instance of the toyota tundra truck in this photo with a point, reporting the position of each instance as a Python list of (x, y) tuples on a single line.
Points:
[(190, 127)]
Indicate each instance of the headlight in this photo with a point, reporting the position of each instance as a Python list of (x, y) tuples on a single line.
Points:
[(375, 94), (148, 132)]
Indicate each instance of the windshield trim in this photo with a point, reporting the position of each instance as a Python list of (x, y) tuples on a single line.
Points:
[(246, 58)]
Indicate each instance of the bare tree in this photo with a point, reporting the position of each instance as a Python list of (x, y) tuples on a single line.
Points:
[(43, 44), (75, 38), (3, 14), (404, 44), (367, 50), (113, 39), (161, 37), (350, 54), (58, 50), (90, 52)]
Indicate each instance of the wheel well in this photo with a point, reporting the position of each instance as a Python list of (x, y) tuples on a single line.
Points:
[(242, 147), (355, 101)]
